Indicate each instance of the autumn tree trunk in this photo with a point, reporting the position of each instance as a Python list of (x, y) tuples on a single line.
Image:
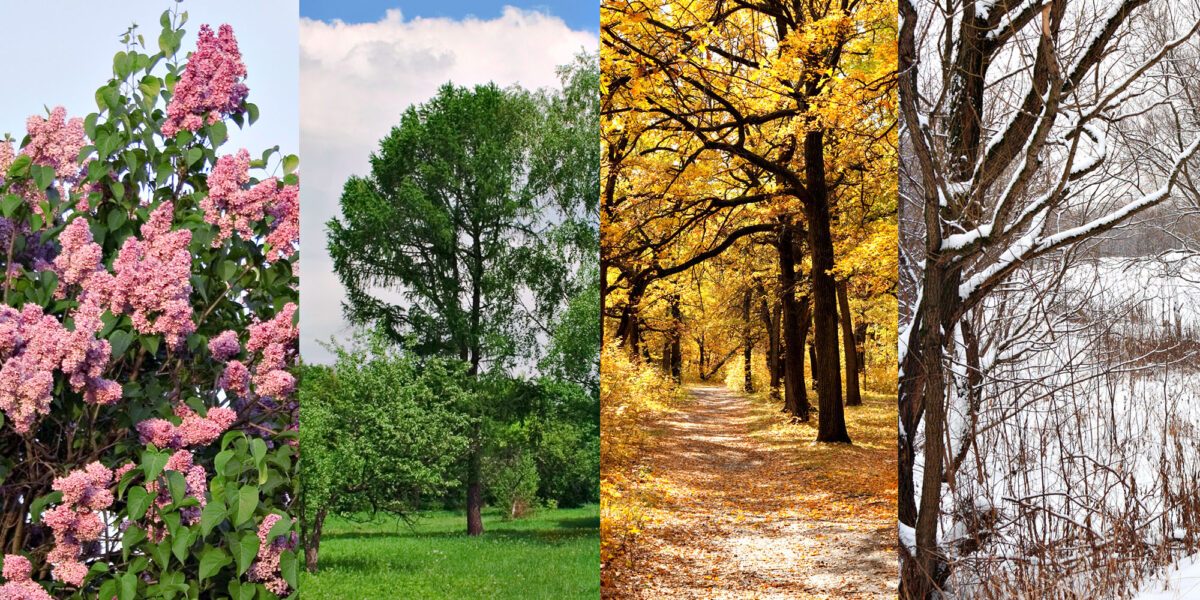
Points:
[(849, 347), (795, 399), (831, 422), (676, 340), (860, 346), (603, 298), (747, 344), (770, 318), (812, 351), (628, 326)]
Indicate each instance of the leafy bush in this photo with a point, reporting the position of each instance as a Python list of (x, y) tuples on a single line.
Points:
[(509, 470), (547, 453), (380, 432)]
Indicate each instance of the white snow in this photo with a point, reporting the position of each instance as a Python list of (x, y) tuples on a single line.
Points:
[(1180, 581), (1006, 20), (908, 537), (1015, 252), (959, 241), (1094, 153)]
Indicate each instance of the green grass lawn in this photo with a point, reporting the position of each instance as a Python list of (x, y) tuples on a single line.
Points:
[(552, 554)]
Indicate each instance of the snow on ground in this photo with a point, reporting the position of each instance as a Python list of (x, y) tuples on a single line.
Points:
[(1086, 457), (1181, 581)]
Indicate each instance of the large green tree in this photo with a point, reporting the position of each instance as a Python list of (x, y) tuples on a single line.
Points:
[(473, 236), (443, 219)]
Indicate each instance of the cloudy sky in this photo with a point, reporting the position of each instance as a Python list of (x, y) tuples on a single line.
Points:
[(360, 69), (77, 53)]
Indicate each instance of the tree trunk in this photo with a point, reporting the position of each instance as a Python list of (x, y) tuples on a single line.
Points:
[(312, 542), (849, 347), (702, 363), (676, 340), (475, 485), (812, 357), (795, 399), (770, 318), (603, 298), (922, 391), (805, 326), (628, 332), (777, 351), (747, 345), (860, 345), (831, 422)]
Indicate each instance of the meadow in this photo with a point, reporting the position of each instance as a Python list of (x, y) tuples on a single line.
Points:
[(550, 554)]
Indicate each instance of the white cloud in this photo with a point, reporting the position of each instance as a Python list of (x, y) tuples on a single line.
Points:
[(356, 80)]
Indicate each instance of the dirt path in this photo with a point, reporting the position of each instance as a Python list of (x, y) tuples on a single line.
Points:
[(748, 507)]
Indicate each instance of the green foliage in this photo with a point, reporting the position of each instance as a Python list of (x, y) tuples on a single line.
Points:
[(574, 353), (510, 471), (209, 557), (565, 440), (561, 272), (444, 218), (541, 443), (380, 430)]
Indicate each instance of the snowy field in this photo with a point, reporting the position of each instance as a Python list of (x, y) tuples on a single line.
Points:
[(1076, 435)]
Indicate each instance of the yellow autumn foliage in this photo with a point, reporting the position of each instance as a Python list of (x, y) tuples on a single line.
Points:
[(633, 395)]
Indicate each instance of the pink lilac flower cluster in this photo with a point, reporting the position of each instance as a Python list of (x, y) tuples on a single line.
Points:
[(192, 430), (285, 229), (79, 263), (211, 86), (266, 568), (235, 209), (7, 154), (225, 346), (56, 142), (120, 471), (275, 342), (77, 520), (149, 281), (17, 572), (32, 346), (85, 357)]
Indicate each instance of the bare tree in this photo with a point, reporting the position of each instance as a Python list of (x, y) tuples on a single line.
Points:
[(1008, 107)]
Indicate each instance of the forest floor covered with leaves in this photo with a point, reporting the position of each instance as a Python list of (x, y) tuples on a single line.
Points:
[(746, 505)]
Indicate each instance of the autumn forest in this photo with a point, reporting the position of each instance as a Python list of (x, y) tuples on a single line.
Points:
[(748, 216)]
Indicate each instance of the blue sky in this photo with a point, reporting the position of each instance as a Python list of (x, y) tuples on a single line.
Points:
[(76, 47), (578, 14)]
